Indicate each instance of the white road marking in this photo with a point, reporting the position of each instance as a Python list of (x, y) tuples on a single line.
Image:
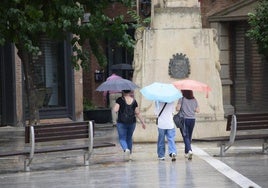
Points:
[(225, 169)]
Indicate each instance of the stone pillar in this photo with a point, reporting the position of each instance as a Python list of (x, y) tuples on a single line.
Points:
[(224, 47), (19, 93)]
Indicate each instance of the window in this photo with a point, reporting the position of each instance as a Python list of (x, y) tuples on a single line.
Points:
[(120, 58), (49, 73), (53, 70)]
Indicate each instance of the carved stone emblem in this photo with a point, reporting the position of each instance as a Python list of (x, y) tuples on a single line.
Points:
[(179, 66)]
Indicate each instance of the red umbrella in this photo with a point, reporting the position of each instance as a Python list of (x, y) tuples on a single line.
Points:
[(193, 85)]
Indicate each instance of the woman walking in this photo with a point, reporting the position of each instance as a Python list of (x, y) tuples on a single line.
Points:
[(189, 106), (127, 109)]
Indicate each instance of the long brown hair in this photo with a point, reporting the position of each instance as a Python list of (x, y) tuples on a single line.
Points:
[(188, 94)]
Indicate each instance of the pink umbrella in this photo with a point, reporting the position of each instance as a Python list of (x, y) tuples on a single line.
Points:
[(193, 85), (112, 77)]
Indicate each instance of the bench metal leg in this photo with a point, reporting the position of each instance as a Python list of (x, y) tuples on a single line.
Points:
[(222, 149), (86, 158), (88, 153), (28, 160), (225, 146), (265, 146), (27, 163)]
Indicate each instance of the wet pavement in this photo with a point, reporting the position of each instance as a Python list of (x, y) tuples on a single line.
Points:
[(243, 166)]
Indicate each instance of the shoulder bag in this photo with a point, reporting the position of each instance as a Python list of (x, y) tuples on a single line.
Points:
[(179, 118)]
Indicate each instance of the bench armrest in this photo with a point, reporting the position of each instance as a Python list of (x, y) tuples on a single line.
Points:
[(233, 129), (90, 139)]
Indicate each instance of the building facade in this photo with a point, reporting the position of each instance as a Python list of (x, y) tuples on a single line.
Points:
[(243, 68), (242, 73)]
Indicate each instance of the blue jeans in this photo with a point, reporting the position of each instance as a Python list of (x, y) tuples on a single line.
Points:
[(187, 137), (170, 134), (125, 132)]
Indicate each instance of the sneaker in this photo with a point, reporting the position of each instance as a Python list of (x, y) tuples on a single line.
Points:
[(173, 157), (190, 155), (161, 158), (127, 154)]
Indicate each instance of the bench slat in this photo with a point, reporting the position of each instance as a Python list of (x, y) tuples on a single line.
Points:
[(72, 133), (252, 136), (57, 149), (61, 137), (13, 153), (73, 130), (58, 134), (252, 121), (250, 118), (70, 148), (63, 124), (249, 121), (213, 139), (51, 128), (238, 137), (103, 144), (251, 127)]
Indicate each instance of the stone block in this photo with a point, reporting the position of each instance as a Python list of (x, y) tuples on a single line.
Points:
[(168, 18)]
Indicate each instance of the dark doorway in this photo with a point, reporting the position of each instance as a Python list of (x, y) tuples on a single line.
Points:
[(249, 72)]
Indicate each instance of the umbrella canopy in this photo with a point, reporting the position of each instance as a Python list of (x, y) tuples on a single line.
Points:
[(161, 92), (114, 77), (122, 66), (117, 85), (193, 85)]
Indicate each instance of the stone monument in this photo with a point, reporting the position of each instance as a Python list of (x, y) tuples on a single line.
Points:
[(176, 29)]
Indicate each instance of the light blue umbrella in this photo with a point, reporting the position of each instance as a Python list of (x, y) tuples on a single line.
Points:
[(161, 92)]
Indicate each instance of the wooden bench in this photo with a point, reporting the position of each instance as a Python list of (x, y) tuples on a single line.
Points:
[(242, 127), (46, 134)]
